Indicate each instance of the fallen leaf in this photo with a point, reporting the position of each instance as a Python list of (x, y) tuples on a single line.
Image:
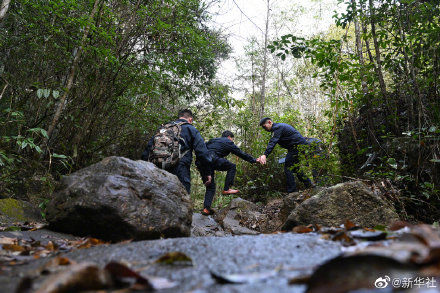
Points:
[(174, 257), (161, 283), (50, 246), (343, 237), (8, 240), (349, 225), (302, 279), (368, 235), (397, 225), (405, 252), (243, 278), (302, 229), (119, 273), (13, 247), (77, 277)]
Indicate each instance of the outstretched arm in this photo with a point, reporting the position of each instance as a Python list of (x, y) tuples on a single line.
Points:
[(239, 153), (273, 141)]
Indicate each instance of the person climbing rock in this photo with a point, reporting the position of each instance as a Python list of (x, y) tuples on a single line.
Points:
[(189, 140), (219, 148), (289, 138)]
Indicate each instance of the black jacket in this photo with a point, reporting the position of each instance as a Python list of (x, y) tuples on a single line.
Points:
[(222, 146), (193, 142), (286, 136)]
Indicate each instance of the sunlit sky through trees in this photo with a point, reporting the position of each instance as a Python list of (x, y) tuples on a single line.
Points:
[(242, 20)]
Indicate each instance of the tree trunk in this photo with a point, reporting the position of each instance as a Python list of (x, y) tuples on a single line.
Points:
[(382, 85), (359, 50), (263, 86), (71, 78), (4, 8)]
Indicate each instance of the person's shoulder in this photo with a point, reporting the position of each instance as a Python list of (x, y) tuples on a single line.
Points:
[(225, 140), (185, 124), (280, 125)]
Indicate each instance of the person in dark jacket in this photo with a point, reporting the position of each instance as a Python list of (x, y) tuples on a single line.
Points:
[(289, 138), (219, 148), (192, 141)]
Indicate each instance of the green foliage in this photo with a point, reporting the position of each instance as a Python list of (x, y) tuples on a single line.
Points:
[(383, 82), (139, 63)]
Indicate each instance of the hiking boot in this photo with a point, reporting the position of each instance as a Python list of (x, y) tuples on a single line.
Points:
[(208, 212), (230, 191)]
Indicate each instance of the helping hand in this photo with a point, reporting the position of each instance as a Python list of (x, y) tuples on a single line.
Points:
[(262, 160)]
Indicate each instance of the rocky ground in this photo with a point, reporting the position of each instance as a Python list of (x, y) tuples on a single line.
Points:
[(337, 239), (273, 259)]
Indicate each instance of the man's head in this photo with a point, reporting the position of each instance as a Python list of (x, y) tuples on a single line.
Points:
[(186, 114), (266, 123), (228, 134)]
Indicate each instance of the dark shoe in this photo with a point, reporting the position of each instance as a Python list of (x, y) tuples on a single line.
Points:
[(208, 212), (230, 191)]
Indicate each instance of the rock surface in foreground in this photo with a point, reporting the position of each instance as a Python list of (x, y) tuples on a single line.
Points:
[(285, 255), (332, 206), (117, 199)]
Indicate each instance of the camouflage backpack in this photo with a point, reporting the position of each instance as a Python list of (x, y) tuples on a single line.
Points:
[(165, 152)]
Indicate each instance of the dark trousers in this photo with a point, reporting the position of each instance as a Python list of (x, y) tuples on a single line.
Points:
[(292, 160), (183, 172), (220, 164)]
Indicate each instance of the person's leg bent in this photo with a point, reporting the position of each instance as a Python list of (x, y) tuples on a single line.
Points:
[(290, 179), (224, 165)]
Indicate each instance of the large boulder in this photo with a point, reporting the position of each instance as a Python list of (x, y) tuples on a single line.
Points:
[(117, 199), (332, 206)]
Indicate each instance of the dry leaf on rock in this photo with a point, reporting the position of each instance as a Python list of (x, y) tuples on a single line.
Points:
[(8, 240), (123, 275), (243, 278), (302, 229), (77, 277), (175, 257)]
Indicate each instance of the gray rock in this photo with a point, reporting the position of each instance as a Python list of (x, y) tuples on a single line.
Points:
[(332, 206), (289, 255), (117, 199), (13, 210), (240, 217), (205, 226)]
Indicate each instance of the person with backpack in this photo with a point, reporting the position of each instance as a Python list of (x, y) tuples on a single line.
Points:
[(289, 138), (172, 146), (219, 148)]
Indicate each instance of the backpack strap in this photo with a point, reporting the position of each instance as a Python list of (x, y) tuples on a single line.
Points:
[(180, 129)]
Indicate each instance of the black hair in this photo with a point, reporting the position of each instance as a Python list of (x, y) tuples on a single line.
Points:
[(227, 133), (262, 121), (186, 113)]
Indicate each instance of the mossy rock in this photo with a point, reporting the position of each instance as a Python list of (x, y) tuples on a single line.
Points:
[(334, 205), (13, 210)]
